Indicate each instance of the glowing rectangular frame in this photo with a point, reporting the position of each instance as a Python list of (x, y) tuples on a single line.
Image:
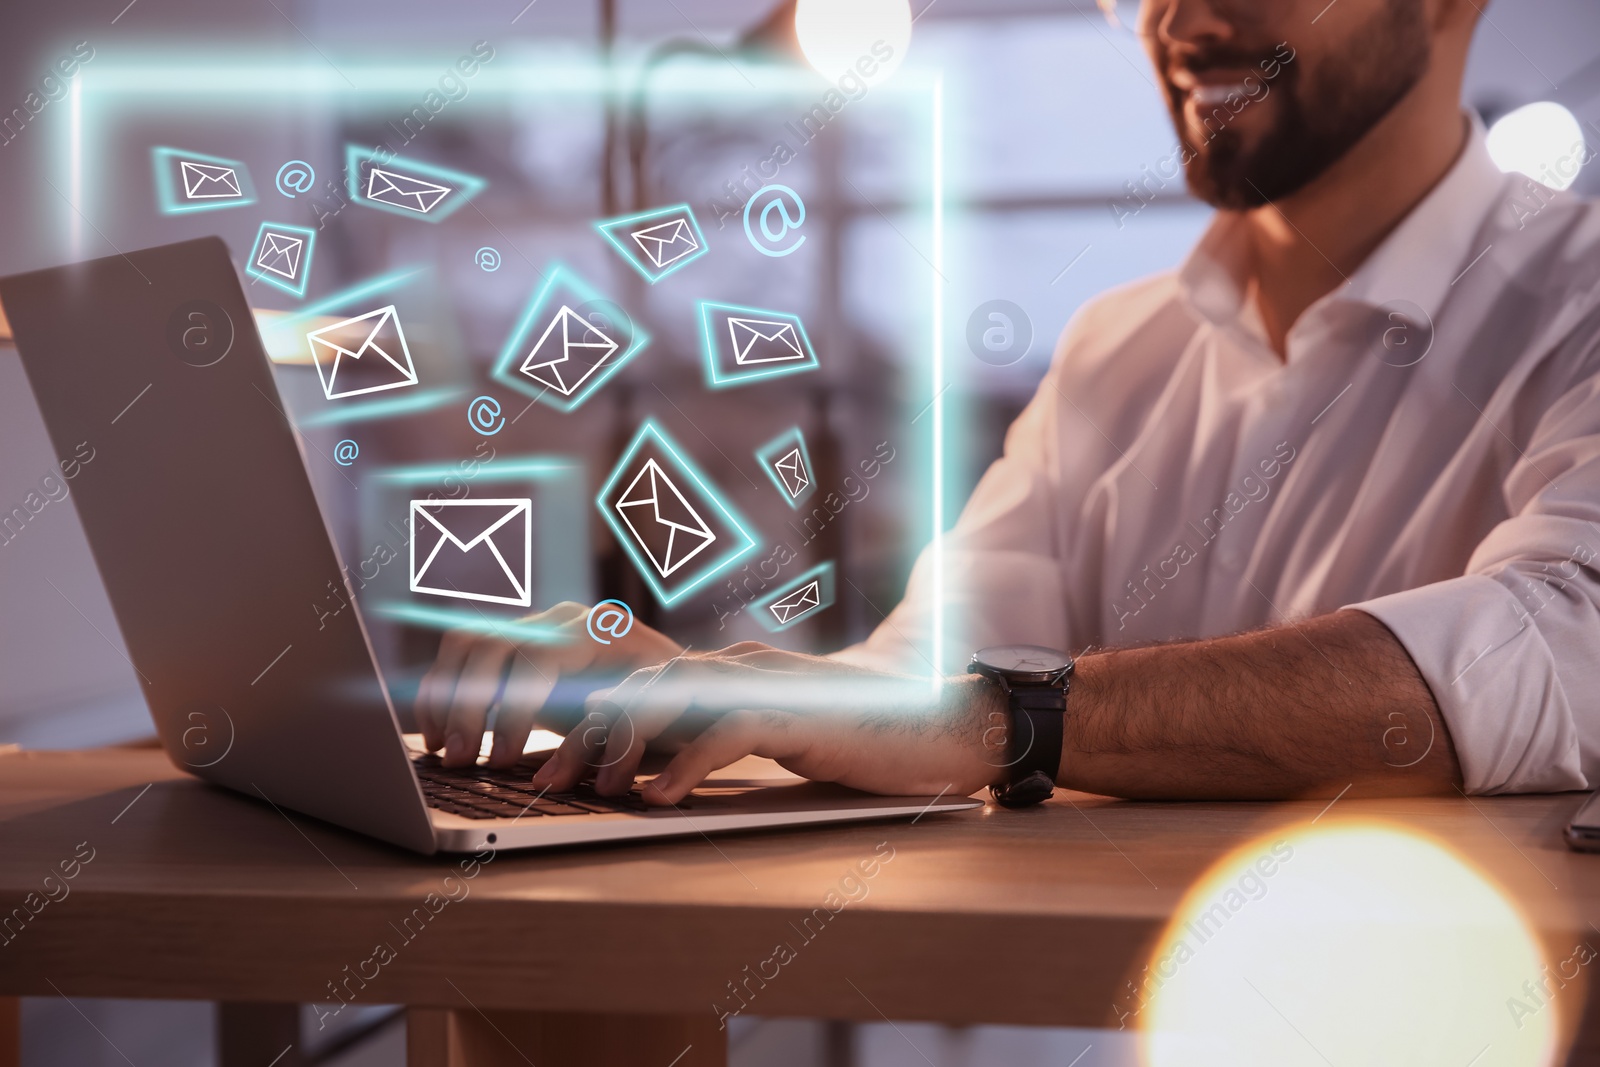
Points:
[(251, 78)]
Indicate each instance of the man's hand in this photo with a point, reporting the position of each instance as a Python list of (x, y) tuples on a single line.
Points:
[(456, 694), (824, 720)]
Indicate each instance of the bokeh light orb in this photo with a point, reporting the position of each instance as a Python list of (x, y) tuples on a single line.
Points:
[(837, 35), (1353, 942), (1543, 141)]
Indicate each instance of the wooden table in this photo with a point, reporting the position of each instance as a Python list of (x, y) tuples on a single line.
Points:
[(193, 892)]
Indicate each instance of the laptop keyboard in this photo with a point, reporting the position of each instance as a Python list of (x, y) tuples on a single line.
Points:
[(480, 793)]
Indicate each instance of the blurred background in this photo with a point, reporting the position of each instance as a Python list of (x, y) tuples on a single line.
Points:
[(1051, 128)]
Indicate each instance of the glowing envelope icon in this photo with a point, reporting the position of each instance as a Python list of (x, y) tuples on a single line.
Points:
[(403, 191), (377, 339), (745, 344), (568, 353), (797, 603), (188, 181), (569, 342), (663, 523), (787, 465), (204, 181), (796, 600), (655, 243), (280, 254), (669, 519), (456, 549), (792, 469), (764, 341)]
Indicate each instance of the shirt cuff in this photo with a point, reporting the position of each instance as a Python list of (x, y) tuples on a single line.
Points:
[(1495, 680)]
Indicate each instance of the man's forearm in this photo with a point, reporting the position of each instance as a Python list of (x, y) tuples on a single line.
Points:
[(1297, 710)]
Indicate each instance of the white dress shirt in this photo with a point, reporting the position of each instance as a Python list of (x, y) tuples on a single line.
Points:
[(1428, 452)]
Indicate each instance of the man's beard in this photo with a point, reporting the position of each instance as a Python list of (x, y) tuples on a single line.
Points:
[(1320, 114)]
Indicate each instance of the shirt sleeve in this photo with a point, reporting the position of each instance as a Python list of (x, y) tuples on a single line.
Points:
[(1511, 649), (1006, 576), (995, 578)]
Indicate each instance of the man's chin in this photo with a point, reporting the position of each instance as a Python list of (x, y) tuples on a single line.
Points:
[(1226, 187), (1228, 198), (1235, 168)]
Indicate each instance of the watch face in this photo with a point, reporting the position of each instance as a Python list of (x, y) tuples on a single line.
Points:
[(1021, 659)]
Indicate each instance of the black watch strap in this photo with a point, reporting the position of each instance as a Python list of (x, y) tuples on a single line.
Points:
[(1038, 715)]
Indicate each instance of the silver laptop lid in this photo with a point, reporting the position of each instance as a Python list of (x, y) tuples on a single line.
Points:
[(207, 535)]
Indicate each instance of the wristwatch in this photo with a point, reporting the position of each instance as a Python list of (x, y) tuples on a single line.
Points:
[(1035, 681)]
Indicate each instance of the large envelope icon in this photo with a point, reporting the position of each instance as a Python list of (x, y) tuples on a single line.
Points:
[(789, 608), (568, 353), (667, 242), (376, 340), (401, 190), (205, 181), (764, 341), (453, 543), (792, 470), (280, 254), (662, 523)]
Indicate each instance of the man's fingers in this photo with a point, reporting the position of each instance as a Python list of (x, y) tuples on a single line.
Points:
[(568, 764), (617, 758), (647, 704), (735, 736), (533, 673), (439, 686), (757, 654), (610, 740), (532, 676), (634, 726), (429, 722), (477, 689), (655, 699), (563, 612), (457, 692)]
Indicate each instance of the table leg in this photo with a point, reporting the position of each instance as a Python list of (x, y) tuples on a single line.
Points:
[(446, 1037), (245, 1031), (10, 1032)]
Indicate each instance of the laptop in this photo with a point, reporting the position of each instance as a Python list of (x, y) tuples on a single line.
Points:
[(215, 556)]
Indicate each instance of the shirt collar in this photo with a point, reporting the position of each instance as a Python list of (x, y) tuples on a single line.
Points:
[(1416, 262), (1425, 254)]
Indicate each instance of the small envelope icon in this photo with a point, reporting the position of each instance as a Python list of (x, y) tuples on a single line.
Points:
[(661, 520), (375, 337), (403, 191), (791, 469), (764, 341), (797, 603), (667, 242), (459, 548), (205, 181), (568, 353), (280, 254)]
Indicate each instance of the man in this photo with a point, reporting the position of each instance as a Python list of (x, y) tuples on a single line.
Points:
[(1344, 462)]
